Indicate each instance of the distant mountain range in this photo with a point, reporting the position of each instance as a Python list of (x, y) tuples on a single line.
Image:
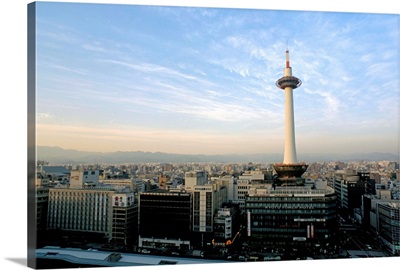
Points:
[(57, 155)]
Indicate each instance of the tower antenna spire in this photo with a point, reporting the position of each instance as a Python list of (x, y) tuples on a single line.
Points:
[(288, 61), (287, 55)]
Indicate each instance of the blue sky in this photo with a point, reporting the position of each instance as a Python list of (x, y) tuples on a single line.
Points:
[(202, 80)]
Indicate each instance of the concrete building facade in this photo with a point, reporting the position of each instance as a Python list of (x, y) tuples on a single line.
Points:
[(290, 218), (388, 215), (81, 209), (81, 178)]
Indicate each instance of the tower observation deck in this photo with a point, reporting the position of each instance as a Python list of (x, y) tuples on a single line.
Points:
[(290, 170)]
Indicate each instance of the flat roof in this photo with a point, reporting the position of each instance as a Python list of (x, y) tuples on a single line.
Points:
[(95, 257)]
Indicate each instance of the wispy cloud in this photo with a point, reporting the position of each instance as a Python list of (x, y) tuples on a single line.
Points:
[(94, 47), (157, 70), (41, 116), (70, 69), (332, 103), (215, 69)]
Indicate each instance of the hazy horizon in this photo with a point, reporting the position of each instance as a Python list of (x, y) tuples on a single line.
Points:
[(202, 80), (57, 155)]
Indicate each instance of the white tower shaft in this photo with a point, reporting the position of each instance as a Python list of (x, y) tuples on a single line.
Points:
[(290, 156), (288, 83)]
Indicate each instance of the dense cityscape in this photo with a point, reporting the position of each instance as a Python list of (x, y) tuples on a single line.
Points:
[(207, 210)]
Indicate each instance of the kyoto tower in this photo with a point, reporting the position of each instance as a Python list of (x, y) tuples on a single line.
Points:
[(290, 171)]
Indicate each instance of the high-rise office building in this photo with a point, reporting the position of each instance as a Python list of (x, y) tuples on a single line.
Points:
[(207, 199), (165, 220), (295, 218)]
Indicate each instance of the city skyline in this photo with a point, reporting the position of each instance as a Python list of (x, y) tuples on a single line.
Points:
[(110, 79)]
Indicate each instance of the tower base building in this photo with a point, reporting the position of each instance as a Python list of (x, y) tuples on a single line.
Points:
[(295, 220)]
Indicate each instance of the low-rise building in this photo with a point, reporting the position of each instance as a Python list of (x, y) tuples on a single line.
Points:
[(226, 225)]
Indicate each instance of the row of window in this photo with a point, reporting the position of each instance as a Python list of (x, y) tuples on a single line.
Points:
[(278, 230), (290, 205), (290, 211), (289, 199), (77, 194), (79, 210), (78, 227), (79, 204), (76, 198)]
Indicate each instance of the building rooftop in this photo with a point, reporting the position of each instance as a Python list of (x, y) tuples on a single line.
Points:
[(102, 258), (55, 169), (293, 190)]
